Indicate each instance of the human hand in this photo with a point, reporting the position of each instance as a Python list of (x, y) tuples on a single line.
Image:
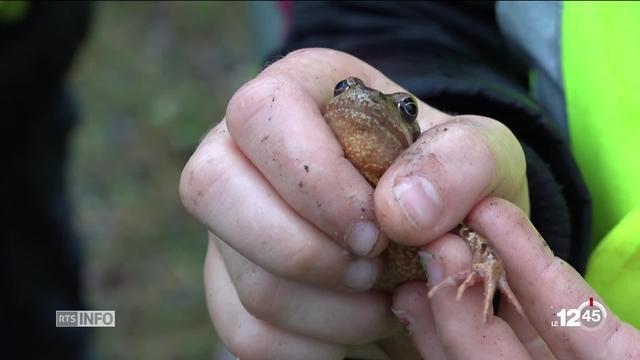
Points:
[(293, 215), (446, 329), (299, 235)]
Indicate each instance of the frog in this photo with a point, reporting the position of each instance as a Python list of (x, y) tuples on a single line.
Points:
[(374, 129)]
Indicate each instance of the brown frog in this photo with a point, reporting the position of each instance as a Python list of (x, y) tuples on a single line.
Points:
[(374, 129)]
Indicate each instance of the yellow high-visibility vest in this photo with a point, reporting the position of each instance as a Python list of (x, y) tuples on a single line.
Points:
[(601, 74), (12, 11)]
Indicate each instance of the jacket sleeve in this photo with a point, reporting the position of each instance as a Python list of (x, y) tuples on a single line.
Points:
[(453, 56)]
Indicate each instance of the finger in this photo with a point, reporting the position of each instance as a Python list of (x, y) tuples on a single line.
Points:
[(529, 337), (459, 322), (250, 338), (368, 351), (545, 284), (225, 192), (277, 123), (302, 309), (400, 346), (451, 167), (319, 77), (412, 306)]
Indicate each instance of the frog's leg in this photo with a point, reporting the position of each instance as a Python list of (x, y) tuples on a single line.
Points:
[(486, 266)]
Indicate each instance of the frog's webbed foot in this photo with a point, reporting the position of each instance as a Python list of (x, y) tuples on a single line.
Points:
[(485, 266)]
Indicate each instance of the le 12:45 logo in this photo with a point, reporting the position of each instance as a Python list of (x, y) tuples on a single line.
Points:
[(590, 315)]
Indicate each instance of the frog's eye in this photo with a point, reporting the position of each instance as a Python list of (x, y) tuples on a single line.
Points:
[(341, 87), (409, 109), (345, 84)]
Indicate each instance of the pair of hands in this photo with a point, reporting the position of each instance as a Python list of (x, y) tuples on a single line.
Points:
[(295, 230)]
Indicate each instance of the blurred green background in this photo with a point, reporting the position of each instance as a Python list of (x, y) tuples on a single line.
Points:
[(150, 80)]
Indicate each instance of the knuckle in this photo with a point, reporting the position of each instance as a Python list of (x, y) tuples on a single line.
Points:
[(253, 102), (207, 170), (312, 54), (307, 52), (489, 142), (301, 261), (464, 152), (459, 130), (473, 138), (613, 335), (300, 54), (504, 207), (502, 139), (549, 273), (486, 123), (512, 213), (245, 342), (449, 334), (304, 56), (245, 102), (259, 294)]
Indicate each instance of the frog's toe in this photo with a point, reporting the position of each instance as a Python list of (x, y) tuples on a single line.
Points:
[(503, 285), (490, 271), (453, 280), (489, 267)]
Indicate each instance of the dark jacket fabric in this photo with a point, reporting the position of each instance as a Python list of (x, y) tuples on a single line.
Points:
[(40, 265), (453, 56)]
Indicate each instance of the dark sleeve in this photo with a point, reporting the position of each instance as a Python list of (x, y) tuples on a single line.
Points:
[(452, 56), (40, 255), (36, 54)]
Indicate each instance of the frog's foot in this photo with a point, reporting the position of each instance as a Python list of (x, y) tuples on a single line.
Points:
[(486, 266)]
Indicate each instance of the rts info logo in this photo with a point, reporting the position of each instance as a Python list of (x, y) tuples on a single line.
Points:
[(99, 318)]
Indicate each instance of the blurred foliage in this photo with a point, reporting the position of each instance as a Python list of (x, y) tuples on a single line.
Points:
[(150, 80)]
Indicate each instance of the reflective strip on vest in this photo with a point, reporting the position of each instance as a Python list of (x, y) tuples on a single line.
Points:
[(601, 72)]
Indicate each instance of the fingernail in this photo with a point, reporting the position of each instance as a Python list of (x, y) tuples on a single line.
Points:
[(405, 319), (360, 274), (432, 266), (419, 201), (362, 237)]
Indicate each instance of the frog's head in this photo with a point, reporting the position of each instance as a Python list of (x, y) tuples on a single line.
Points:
[(397, 112)]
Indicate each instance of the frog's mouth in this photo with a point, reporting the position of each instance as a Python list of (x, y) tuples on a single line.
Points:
[(415, 134), (391, 126)]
